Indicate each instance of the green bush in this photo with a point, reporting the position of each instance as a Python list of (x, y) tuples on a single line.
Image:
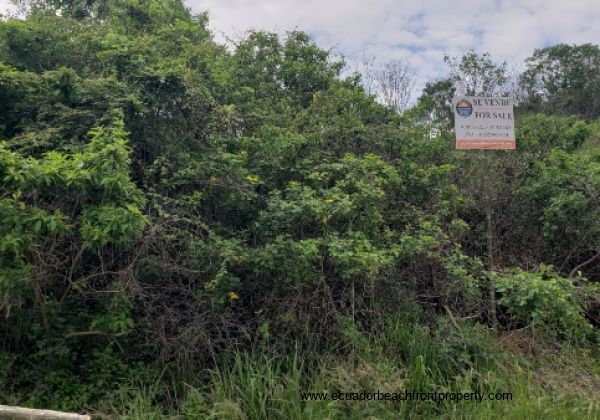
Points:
[(545, 302)]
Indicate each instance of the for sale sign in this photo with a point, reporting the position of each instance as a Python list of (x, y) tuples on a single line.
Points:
[(482, 122)]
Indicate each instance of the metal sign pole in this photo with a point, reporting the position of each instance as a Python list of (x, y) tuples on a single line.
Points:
[(490, 238)]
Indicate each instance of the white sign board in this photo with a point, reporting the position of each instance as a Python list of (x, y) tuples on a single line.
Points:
[(483, 122)]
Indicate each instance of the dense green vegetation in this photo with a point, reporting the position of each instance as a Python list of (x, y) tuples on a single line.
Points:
[(197, 231)]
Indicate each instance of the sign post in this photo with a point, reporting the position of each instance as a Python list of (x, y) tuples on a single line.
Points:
[(485, 123)]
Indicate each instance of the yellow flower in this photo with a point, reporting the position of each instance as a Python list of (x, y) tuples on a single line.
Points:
[(329, 200), (252, 179), (213, 178), (233, 296)]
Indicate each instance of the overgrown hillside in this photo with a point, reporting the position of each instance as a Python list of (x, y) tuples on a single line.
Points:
[(208, 232)]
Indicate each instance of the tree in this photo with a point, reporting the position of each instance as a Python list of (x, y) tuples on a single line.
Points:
[(470, 75), (166, 201), (563, 79), (392, 82), (396, 81), (433, 106), (475, 74)]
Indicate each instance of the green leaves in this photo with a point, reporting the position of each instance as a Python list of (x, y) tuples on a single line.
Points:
[(475, 74), (278, 195), (563, 79), (539, 133), (109, 223), (116, 318), (564, 195), (546, 301), (355, 257), (20, 226), (90, 190)]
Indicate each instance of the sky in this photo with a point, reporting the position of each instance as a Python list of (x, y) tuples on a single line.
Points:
[(419, 31)]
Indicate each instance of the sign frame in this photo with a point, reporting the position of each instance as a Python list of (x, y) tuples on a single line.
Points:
[(484, 122)]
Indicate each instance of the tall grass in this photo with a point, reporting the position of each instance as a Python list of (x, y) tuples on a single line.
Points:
[(401, 354)]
